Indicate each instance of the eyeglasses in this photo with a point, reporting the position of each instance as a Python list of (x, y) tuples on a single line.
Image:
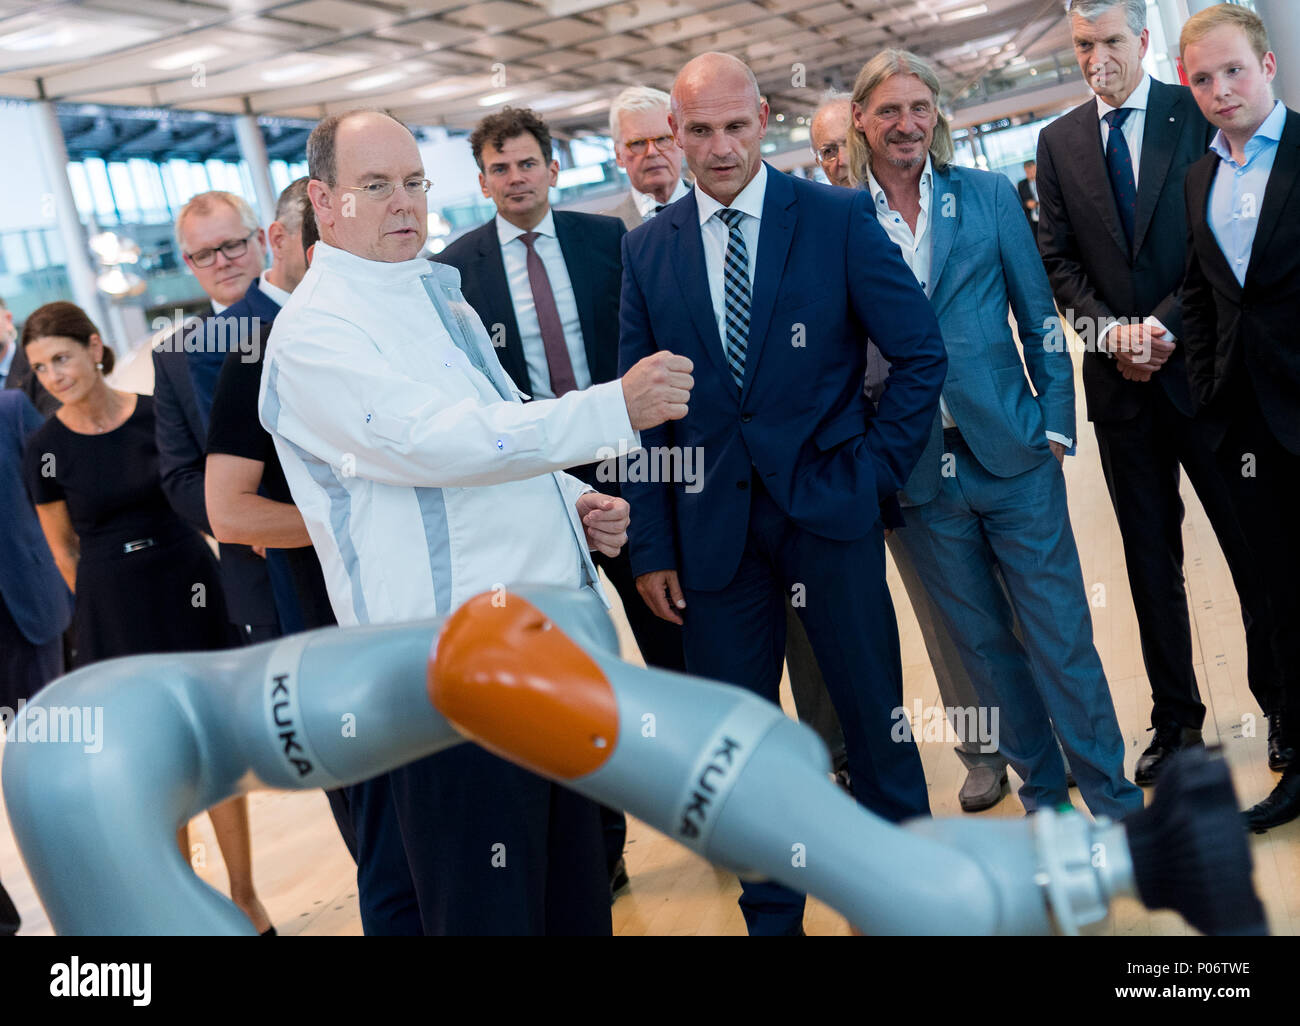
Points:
[(233, 250), (831, 150), (638, 146), (381, 190)]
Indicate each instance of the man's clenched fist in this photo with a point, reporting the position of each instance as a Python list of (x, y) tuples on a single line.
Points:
[(604, 519), (656, 390)]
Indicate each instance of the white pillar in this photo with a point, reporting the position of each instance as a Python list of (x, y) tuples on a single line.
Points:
[(1283, 22), (54, 155), (253, 149)]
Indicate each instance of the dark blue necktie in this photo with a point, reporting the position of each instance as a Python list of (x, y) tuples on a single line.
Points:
[(1119, 162)]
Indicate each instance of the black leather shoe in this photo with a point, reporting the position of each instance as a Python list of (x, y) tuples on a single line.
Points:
[(617, 879), (1281, 806), (1170, 737), (1280, 752), (10, 920)]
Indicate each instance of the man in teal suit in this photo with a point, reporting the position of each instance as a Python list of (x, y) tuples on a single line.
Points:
[(988, 492)]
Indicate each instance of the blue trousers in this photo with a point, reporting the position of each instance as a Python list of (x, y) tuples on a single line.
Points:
[(979, 524), (737, 635)]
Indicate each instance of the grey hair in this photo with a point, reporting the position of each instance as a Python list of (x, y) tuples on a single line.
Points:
[(288, 208), (322, 154), (204, 203), (635, 99), (882, 67), (829, 99), (1135, 11)]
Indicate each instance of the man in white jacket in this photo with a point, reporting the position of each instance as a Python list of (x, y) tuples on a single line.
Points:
[(424, 480)]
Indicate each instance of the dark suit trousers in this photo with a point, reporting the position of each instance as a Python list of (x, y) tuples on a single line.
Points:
[(1264, 481), (1141, 459), (660, 643), (463, 843), (737, 635)]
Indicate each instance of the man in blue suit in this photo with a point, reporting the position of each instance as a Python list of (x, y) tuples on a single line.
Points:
[(35, 603), (988, 493), (223, 247), (771, 286)]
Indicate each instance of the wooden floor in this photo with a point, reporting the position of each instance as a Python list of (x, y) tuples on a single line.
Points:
[(307, 881)]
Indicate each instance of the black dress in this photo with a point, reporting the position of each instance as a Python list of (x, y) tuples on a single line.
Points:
[(146, 580)]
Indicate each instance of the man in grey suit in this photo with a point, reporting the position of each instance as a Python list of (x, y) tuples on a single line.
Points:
[(644, 147), (988, 493)]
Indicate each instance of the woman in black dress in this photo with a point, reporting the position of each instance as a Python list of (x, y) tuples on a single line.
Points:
[(144, 580)]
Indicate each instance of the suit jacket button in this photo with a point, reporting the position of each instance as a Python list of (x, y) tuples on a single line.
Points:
[(742, 485), (745, 418)]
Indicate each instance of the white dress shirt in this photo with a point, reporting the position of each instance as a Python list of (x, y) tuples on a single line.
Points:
[(515, 255), (422, 478), (1134, 127), (716, 234), (646, 203), (917, 251), (274, 293)]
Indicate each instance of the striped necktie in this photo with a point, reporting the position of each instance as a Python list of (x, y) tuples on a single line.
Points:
[(735, 285)]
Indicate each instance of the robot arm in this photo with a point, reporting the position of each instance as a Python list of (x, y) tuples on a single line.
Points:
[(534, 677)]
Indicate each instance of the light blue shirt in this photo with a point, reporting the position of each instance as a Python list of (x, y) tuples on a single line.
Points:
[(514, 255), (1237, 192), (7, 360)]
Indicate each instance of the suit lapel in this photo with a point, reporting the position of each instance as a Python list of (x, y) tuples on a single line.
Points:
[(1200, 177), (942, 229), (568, 236), (1092, 170), (1164, 123), (1281, 182), (774, 234), (490, 277), (693, 277)]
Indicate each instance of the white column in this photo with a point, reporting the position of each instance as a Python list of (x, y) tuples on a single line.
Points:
[(54, 156), (1283, 22), (253, 149)]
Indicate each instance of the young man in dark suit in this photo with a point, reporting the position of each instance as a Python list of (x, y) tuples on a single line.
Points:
[(546, 284), (1112, 233), (1241, 305), (763, 282)]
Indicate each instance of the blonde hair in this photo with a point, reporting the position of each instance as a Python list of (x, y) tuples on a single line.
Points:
[(205, 202), (1200, 25), (882, 67)]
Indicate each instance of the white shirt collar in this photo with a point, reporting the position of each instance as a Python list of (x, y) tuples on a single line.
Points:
[(927, 183), (507, 232), (327, 258), (218, 307), (1137, 99), (645, 202), (274, 293), (7, 360), (749, 201)]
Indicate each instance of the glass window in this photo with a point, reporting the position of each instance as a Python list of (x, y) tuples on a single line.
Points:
[(81, 194), (101, 193), (15, 253), (128, 203)]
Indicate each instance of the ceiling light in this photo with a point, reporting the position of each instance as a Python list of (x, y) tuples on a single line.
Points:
[(965, 12), (187, 57), (375, 81)]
